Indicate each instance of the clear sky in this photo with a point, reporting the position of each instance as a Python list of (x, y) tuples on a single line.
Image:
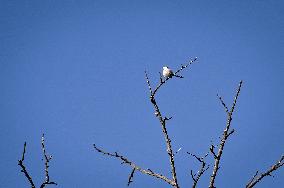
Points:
[(74, 70)]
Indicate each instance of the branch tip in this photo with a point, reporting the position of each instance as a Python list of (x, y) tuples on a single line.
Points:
[(130, 178), (225, 135), (256, 179)]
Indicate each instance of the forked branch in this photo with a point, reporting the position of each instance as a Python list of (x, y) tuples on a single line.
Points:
[(204, 166), (46, 163), (227, 132)]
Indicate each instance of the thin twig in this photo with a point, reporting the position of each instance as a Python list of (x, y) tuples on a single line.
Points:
[(255, 179), (46, 164), (185, 66), (223, 103), (134, 166), (226, 134), (148, 82), (213, 152), (200, 172), (236, 97), (131, 177), (24, 169)]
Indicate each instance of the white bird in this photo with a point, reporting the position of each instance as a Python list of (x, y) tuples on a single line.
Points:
[(167, 72)]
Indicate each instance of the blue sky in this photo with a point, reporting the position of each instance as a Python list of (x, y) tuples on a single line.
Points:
[(74, 70)]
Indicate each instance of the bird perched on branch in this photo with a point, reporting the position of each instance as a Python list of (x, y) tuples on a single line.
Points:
[(168, 73)]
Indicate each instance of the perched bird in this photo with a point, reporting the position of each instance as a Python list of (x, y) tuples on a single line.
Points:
[(167, 72)]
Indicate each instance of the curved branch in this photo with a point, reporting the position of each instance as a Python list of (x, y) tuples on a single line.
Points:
[(24, 169)]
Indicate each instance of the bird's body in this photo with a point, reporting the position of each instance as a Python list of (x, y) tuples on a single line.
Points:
[(167, 72)]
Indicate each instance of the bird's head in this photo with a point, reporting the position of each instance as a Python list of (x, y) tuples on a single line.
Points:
[(165, 67)]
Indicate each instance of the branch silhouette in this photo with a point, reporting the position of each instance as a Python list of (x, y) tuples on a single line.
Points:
[(46, 164), (204, 166), (24, 169)]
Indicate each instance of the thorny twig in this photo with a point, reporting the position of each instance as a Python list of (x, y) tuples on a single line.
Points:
[(200, 172), (255, 179), (227, 132), (47, 159)]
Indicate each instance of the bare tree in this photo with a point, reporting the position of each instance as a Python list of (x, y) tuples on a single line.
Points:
[(173, 180), (47, 159), (217, 155)]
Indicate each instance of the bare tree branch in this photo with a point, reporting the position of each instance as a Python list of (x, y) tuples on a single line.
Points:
[(134, 166), (223, 103), (47, 160), (185, 66), (24, 169), (213, 152), (226, 134), (148, 82), (200, 172), (255, 179), (131, 177)]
